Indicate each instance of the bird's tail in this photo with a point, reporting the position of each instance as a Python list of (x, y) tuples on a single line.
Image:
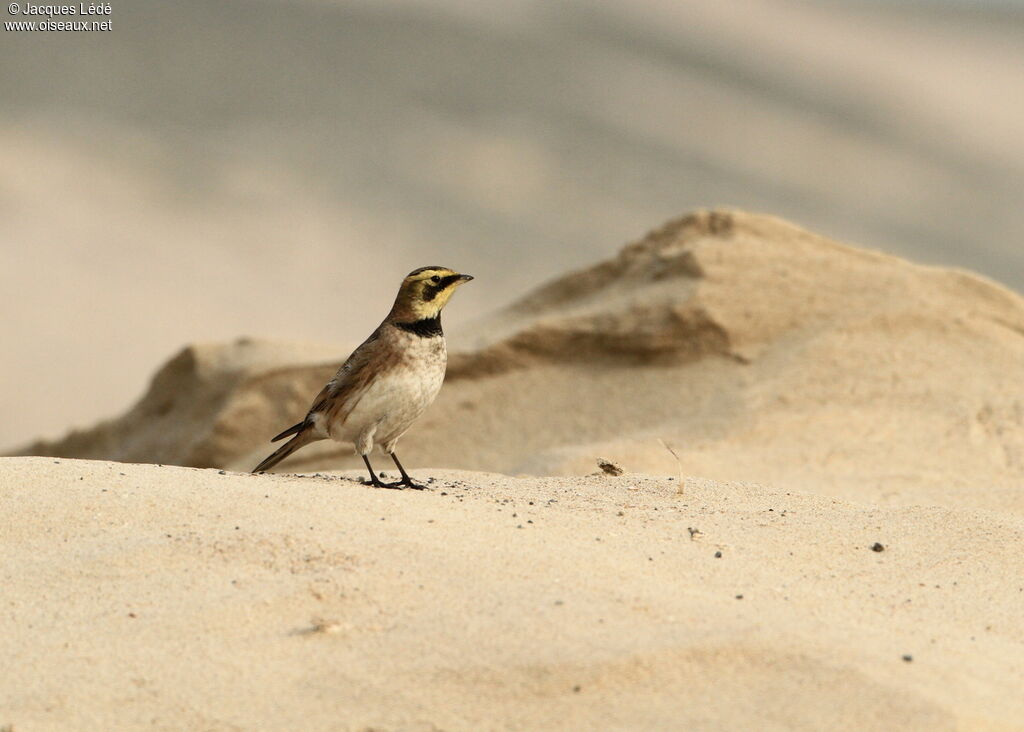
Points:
[(300, 440)]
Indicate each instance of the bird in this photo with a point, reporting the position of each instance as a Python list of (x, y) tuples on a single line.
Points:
[(388, 381)]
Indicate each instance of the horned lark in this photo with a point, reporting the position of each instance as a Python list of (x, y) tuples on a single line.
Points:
[(388, 382)]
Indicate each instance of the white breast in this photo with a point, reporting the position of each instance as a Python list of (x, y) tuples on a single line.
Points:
[(397, 398)]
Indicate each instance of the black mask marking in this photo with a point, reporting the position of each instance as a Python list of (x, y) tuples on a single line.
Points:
[(430, 290)]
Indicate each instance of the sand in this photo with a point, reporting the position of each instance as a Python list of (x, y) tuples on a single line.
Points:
[(278, 194), (173, 598), (758, 350), (845, 552)]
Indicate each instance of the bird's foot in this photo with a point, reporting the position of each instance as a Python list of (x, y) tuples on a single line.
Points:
[(406, 483)]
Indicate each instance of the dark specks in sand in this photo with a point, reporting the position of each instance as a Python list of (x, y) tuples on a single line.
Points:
[(876, 547), (907, 657), (609, 468), (718, 555)]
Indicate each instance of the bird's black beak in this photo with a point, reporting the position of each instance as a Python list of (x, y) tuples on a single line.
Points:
[(465, 278)]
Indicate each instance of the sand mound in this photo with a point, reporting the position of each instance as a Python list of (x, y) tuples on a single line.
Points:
[(169, 598), (758, 350), (172, 598), (200, 405)]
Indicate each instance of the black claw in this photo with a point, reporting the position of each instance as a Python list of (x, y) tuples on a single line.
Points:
[(401, 485), (374, 480), (406, 481)]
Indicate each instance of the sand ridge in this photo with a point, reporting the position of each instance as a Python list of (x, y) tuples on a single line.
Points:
[(844, 553), (760, 351), (171, 597), (896, 125)]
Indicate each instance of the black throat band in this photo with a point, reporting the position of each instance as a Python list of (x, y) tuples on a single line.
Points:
[(424, 328)]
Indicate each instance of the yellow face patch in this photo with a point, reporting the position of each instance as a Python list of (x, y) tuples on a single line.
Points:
[(426, 290)]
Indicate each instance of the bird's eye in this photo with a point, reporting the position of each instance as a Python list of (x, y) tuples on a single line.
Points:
[(435, 279)]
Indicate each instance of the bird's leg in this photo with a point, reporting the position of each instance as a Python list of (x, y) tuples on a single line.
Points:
[(406, 481), (374, 480)]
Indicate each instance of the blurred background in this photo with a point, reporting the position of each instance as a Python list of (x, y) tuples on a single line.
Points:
[(210, 169)]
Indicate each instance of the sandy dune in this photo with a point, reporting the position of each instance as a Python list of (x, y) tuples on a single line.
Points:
[(844, 554), (269, 167), (173, 598), (757, 350)]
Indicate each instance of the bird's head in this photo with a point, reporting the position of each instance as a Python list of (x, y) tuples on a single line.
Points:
[(425, 291)]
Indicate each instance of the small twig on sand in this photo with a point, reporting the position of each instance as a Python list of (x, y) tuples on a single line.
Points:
[(318, 626), (679, 463)]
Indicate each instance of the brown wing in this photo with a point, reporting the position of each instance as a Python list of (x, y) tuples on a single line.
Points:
[(341, 394), (336, 400)]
